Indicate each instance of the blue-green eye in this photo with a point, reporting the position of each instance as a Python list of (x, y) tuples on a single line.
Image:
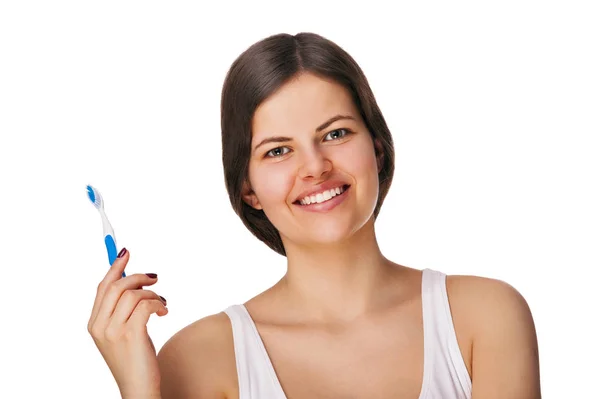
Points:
[(277, 152), (336, 134)]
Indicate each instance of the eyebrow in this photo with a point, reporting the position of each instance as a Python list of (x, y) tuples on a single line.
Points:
[(321, 127)]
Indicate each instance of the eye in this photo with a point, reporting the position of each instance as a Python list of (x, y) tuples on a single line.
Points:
[(277, 152), (336, 134)]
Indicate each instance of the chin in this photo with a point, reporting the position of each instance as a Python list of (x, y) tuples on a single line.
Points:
[(327, 232), (329, 237)]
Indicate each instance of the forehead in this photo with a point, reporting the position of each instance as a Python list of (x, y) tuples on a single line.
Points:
[(301, 105)]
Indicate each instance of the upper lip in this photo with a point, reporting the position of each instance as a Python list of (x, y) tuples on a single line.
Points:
[(328, 185)]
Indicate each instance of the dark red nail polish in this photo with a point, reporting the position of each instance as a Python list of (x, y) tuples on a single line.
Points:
[(122, 253), (163, 299), (151, 275)]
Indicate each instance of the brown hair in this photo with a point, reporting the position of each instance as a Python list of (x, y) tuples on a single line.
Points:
[(256, 74)]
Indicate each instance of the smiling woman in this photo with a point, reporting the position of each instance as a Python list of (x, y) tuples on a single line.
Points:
[(270, 94), (308, 161), (321, 153)]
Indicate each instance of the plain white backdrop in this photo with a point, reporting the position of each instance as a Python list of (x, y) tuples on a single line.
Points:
[(495, 112)]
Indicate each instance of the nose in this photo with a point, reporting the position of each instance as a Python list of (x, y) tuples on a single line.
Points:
[(314, 164)]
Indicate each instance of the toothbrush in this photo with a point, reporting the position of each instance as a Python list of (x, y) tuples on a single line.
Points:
[(109, 234)]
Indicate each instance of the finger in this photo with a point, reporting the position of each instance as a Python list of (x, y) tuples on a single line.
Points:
[(131, 330), (141, 314), (114, 274), (115, 271), (128, 302), (106, 307)]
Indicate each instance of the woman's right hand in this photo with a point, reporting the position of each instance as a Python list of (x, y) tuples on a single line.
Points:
[(118, 326)]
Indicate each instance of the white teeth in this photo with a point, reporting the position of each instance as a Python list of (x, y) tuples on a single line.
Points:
[(321, 197)]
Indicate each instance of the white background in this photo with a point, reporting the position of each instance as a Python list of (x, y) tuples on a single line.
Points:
[(495, 113)]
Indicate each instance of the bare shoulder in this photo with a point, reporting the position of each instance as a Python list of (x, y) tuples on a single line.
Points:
[(489, 301), (487, 291), (199, 361), (505, 359)]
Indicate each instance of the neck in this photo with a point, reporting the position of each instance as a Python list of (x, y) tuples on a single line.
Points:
[(338, 281)]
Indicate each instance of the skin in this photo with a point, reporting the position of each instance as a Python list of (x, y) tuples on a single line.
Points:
[(340, 291)]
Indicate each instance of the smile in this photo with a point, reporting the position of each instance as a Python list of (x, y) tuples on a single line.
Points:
[(324, 196), (324, 201)]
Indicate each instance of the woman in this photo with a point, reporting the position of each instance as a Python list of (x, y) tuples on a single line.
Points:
[(308, 161)]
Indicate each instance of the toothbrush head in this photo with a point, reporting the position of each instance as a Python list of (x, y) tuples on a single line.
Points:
[(95, 197)]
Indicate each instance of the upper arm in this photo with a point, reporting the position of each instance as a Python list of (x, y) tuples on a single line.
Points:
[(505, 351), (193, 363)]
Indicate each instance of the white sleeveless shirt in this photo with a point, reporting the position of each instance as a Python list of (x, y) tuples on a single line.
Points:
[(445, 375)]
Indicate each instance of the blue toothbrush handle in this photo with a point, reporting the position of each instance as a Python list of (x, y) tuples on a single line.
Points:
[(111, 247)]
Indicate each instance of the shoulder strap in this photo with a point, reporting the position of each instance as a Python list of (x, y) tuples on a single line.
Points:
[(443, 359), (256, 376)]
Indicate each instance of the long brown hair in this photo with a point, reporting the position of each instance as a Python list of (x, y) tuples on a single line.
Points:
[(256, 74)]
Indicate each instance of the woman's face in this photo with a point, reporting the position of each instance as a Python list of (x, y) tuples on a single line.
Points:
[(310, 143)]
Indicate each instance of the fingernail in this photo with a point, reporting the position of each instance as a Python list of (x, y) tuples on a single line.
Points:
[(163, 299), (151, 275), (122, 253)]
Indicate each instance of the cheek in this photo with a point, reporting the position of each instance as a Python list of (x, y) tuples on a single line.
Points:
[(273, 183), (358, 159)]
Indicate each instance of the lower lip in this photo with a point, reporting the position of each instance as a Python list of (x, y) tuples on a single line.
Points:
[(327, 205)]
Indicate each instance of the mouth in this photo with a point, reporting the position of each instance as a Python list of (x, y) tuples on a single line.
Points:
[(322, 197)]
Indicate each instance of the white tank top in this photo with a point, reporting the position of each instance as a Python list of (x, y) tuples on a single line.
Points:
[(444, 376)]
